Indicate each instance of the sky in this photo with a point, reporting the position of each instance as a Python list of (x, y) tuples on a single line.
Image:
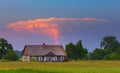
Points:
[(59, 22)]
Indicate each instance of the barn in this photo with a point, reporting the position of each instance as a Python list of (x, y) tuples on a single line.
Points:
[(44, 53)]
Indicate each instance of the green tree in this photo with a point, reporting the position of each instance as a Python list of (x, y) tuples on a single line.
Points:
[(70, 50), (110, 42), (4, 47), (80, 51), (115, 55), (76, 51), (110, 51), (97, 54), (112, 56), (11, 55)]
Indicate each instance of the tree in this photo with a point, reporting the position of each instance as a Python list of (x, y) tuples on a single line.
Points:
[(97, 54), (81, 52), (110, 42), (70, 50), (11, 55), (110, 51), (113, 55), (76, 51), (4, 47)]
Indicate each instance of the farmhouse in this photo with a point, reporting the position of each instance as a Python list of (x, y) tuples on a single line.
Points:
[(44, 53)]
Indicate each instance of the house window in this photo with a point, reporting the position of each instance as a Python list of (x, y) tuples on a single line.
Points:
[(39, 58), (61, 58), (54, 58)]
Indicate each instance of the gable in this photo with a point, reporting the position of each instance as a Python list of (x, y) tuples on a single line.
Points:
[(25, 52), (50, 54)]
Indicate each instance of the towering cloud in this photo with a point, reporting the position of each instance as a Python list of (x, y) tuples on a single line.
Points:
[(47, 26)]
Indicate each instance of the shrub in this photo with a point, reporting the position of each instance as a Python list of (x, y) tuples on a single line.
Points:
[(11, 55)]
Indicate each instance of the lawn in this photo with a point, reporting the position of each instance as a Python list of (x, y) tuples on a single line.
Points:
[(61, 67)]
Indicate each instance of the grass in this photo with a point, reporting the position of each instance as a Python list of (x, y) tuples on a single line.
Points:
[(61, 67)]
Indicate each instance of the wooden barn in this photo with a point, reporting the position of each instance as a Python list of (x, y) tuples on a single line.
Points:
[(44, 53)]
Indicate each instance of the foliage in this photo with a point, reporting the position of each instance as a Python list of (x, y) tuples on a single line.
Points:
[(70, 50), (97, 54), (19, 53), (110, 51), (10, 55), (110, 42), (82, 52), (33, 59), (4, 47), (114, 55), (76, 51)]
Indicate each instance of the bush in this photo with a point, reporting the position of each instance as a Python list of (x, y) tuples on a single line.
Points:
[(33, 59), (115, 56), (97, 54), (11, 56), (112, 56)]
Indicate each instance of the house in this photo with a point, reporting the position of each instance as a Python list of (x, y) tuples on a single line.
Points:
[(44, 53)]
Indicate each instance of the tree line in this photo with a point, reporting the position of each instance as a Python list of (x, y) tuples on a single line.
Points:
[(109, 50)]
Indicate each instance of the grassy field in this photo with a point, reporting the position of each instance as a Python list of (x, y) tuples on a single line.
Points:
[(61, 67)]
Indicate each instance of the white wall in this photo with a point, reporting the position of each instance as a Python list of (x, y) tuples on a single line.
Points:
[(26, 58)]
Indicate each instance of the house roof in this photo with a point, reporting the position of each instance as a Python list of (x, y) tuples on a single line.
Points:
[(36, 50)]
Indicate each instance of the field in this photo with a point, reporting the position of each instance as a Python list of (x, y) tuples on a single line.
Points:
[(61, 67)]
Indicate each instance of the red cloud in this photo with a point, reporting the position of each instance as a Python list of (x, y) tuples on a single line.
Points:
[(46, 26)]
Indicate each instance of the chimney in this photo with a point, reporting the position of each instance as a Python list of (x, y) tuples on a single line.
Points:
[(43, 44)]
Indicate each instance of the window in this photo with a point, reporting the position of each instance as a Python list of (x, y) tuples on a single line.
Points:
[(54, 58), (61, 58), (39, 58)]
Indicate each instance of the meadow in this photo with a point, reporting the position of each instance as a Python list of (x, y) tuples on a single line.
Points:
[(61, 67)]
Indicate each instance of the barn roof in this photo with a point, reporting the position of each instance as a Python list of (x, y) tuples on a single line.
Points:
[(36, 50)]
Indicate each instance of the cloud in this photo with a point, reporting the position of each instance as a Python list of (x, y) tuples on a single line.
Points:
[(47, 26), (93, 19)]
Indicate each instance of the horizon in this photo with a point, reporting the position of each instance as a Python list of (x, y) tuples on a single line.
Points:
[(28, 22)]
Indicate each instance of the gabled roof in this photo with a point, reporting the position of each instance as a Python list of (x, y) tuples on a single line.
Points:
[(37, 50)]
